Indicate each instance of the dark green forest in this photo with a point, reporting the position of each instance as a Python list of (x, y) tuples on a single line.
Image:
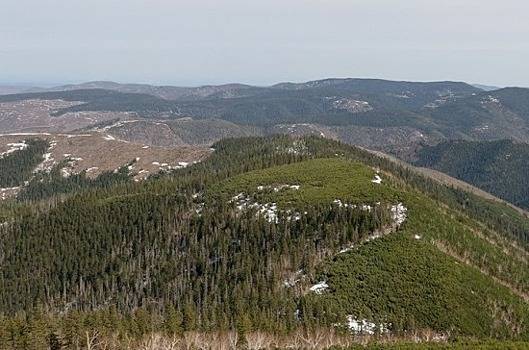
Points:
[(497, 167), (45, 185), (18, 166)]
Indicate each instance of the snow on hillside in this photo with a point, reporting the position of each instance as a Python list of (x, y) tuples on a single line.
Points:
[(377, 179), (399, 213), (13, 147), (319, 287), (357, 326)]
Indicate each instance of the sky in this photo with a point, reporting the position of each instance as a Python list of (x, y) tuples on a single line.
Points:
[(261, 42)]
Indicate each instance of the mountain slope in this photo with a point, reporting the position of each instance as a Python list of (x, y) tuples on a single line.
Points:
[(272, 234), (491, 115), (348, 109), (498, 167)]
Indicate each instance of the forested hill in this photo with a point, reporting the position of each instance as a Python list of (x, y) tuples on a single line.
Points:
[(499, 167), (20, 160), (286, 238)]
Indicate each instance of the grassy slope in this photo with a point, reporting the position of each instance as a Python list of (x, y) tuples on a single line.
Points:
[(321, 180), (399, 278)]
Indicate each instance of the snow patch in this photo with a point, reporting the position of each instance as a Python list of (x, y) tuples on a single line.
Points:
[(357, 326), (340, 204), (268, 211), (399, 213), (8, 192), (294, 279), (351, 105), (278, 188), (298, 147), (16, 146), (48, 162), (319, 287), (490, 99), (377, 179)]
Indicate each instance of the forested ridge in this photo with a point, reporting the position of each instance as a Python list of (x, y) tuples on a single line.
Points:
[(210, 247)]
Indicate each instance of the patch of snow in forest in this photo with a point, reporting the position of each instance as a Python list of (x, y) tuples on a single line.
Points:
[(490, 99), (65, 172), (340, 204), (167, 166), (377, 179), (319, 287), (8, 192), (294, 279), (267, 210), (15, 146), (278, 188), (351, 105), (417, 236), (399, 213), (357, 326), (199, 208), (346, 249), (294, 216), (298, 147), (48, 162)]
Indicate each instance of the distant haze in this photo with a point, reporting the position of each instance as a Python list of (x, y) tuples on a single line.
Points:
[(194, 42)]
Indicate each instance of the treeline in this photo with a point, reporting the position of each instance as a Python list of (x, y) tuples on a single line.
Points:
[(18, 166)]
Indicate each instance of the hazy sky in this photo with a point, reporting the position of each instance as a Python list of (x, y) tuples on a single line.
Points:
[(196, 42)]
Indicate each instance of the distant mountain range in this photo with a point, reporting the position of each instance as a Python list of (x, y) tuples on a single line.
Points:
[(211, 91), (393, 116)]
